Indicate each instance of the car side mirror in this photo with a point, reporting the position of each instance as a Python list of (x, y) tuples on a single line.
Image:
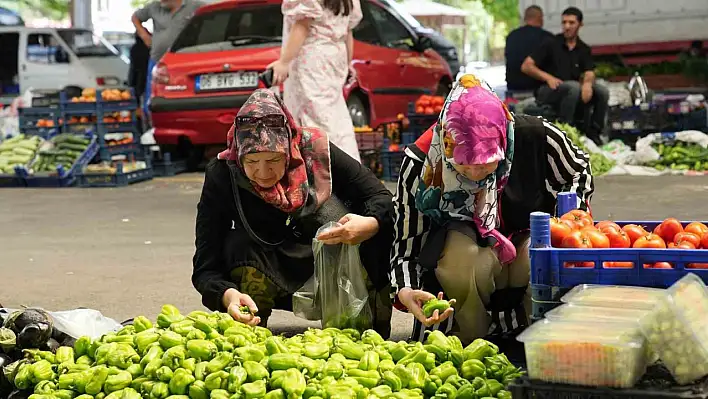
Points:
[(424, 43)]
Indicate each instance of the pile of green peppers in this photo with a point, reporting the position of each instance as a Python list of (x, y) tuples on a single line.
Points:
[(681, 156), (211, 356)]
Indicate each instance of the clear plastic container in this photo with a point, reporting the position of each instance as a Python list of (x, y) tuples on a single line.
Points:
[(614, 296), (583, 313), (677, 329), (609, 355)]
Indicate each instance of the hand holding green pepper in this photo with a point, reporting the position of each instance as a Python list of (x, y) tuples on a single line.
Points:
[(416, 300)]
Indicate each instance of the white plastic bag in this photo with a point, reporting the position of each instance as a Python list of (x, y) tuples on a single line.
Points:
[(79, 322), (336, 293)]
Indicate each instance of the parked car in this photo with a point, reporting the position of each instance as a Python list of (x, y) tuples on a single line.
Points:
[(441, 44), (213, 66), (50, 59)]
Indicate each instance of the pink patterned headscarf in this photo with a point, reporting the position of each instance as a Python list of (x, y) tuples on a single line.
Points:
[(474, 128)]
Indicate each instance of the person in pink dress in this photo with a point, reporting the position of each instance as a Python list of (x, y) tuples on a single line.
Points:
[(314, 64)]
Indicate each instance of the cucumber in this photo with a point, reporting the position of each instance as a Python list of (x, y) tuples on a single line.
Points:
[(28, 144), (23, 151), (71, 146)]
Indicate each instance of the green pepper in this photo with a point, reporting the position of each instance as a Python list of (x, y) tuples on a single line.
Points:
[(201, 349), (23, 376), (262, 333), (137, 382), (254, 390), (294, 383), (283, 361), (473, 368), (220, 362), (41, 396), (494, 387), (42, 371), (135, 370), (67, 381), (183, 328), (368, 379), (223, 344), (200, 372), (398, 351), (333, 368), (466, 392), (444, 371), (275, 345), (422, 356), (168, 315), (64, 354), (81, 346), (237, 376), (457, 357), (84, 359), (392, 380), (313, 390), (174, 357), (417, 376), (277, 394), (432, 384), (63, 394), (224, 324), (117, 381), (219, 394), (381, 391), (386, 365), (315, 350), (129, 393), (44, 387), (143, 340), (160, 390), (169, 339), (96, 380), (255, 371), (251, 352), (196, 334), (447, 391), (434, 304), (154, 352), (370, 361), (238, 341), (371, 337), (198, 390), (189, 364), (440, 354), (151, 368), (122, 356), (86, 396), (438, 339), (349, 349), (503, 394), (164, 374), (93, 348), (479, 349), (141, 323), (180, 381), (118, 339), (457, 381), (216, 380)]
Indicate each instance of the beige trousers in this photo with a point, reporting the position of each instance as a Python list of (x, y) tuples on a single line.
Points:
[(470, 274)]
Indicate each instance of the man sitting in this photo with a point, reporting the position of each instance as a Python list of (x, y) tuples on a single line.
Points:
[(520, 43), (564, 63)]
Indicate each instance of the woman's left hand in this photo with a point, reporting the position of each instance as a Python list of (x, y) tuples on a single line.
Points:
[(280, 71), (354, 229)]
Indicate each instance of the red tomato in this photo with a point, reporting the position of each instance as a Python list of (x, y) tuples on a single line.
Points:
[(559, 231), (618, 238), (687, 237), (578, 264), (697, 228), (649, 241), (634, 232), (704, 241), (438, 108), (580, 217), (618, 265), (682, 245), (598, 239), (429, 110), (606, 223), (697, 266), (661, 265), (577, 239), (419, 109), (669, 228)]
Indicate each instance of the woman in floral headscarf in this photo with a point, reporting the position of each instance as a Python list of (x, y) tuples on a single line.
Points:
[(462, 205), (265, 197)]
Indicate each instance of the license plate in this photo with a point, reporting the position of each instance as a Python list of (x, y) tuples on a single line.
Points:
[(225, 81)]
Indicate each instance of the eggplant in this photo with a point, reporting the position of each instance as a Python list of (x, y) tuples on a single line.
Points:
[(5, 384)]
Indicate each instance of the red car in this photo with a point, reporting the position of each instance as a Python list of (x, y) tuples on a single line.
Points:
[(213, 66)]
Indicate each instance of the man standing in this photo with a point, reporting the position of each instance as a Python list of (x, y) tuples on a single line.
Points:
[(168, 17), (519, 45), (564, 63)]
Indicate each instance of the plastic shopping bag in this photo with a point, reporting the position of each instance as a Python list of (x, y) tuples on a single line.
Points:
[(336, 293)]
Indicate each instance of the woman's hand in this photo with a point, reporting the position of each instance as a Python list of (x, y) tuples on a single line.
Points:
[(280, 71), (234, 300), (413, 300), (354, 229)]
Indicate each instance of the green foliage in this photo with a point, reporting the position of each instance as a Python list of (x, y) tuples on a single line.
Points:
[(54, 9)]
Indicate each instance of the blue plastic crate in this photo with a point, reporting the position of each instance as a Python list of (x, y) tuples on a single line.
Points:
[(391, 164), (694, 120), (550, 277), (419, 123), (115, 106), (72, 108), (62, 177), (117, 179), (30, 117), (166, 166), (639, 119), (11, 180), (408, 138)]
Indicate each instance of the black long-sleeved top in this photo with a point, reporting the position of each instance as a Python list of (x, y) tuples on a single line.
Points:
[(219, 228), (545, 163)]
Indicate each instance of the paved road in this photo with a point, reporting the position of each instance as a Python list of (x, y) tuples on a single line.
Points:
[(128, 251)]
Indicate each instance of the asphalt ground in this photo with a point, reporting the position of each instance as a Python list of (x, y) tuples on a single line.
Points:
[(126, 251)]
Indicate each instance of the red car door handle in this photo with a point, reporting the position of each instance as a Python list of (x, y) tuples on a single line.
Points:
[(226, 119)]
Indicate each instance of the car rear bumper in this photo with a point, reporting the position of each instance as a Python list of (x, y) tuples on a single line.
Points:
[(162, 104)]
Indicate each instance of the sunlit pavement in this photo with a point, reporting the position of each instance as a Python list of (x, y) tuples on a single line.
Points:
[(127, 251)]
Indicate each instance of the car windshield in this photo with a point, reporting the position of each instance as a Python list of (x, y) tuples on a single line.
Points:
[(236, 27), (85, 44), (403, 13)]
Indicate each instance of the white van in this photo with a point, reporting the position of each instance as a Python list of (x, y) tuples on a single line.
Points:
[(50, 59)]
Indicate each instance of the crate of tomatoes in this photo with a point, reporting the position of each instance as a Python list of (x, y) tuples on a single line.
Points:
[(575, 249), (424, 112)]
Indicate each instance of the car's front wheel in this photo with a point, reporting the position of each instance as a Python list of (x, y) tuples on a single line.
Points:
[(358, 111)]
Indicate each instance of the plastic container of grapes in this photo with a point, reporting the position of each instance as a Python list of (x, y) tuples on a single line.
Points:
[(612, 355), (677, 329), (614, 296)]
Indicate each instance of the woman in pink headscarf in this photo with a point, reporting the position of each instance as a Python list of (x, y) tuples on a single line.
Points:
[(462, 206)]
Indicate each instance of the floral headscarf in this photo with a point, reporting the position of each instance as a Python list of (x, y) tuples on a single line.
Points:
[(474, 128), (307, 182)]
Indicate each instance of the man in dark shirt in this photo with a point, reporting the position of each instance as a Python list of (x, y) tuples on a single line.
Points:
[(564, 63), (519, 45)]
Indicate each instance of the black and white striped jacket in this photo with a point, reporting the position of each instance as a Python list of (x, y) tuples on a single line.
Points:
[(545, 163)]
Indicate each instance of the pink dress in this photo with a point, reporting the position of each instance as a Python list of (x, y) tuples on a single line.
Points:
[(313, 90)]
